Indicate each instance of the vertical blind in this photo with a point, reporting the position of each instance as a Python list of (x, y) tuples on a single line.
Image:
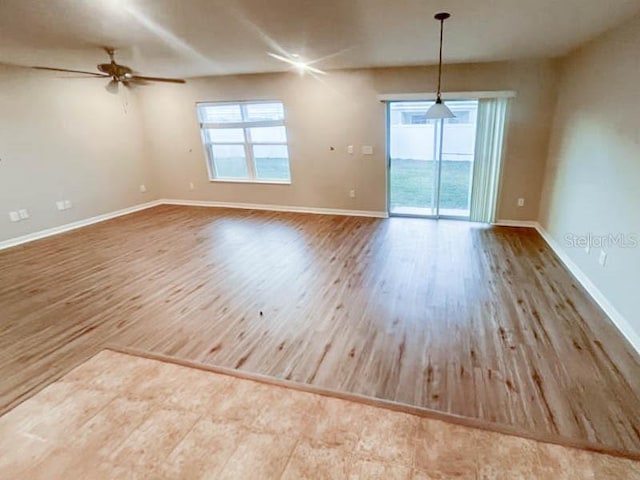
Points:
[(492, 113)]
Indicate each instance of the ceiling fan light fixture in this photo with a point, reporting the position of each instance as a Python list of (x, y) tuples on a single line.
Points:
[(439, 110)]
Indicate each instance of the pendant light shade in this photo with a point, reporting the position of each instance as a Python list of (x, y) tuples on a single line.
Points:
[(439, 110)]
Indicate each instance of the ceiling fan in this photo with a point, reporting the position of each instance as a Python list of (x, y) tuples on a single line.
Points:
[(119, 74)]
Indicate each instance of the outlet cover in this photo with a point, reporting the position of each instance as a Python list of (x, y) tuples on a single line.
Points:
[(67, 204), (352, 193), (350, 149), (24, 213), (143, 188), (521, 202), (192, 187), (60, 205)]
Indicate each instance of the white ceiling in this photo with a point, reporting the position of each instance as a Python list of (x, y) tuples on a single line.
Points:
[(208, 37)]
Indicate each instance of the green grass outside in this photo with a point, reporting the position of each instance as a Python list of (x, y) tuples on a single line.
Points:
[(266, 168), (411, 183), (411, 180)]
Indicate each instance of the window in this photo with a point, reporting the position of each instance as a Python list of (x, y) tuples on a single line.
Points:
[(245, 141), (412, 118), (461, 117)]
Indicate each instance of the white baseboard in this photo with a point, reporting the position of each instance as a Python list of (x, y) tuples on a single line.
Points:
[(515, 223), (12, 242), (616, 317), (276, 208)]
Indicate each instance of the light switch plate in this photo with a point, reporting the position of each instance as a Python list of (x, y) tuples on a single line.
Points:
[(67, 204), (23, 213), (14, 216), (367, 150), (350, 149), (60, 205)]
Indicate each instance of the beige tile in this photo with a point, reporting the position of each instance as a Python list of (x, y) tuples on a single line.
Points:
[(364, 469), (64, 463), (60, 409), (20, 451), (605, 467), (285, 412), (563, 463), (388, 436), (242, 402), (444, 450), (259, 456), (204, 450), (339, 422), (178, 387), (112, 371), (504, 457), (456, 475), (317, 460), (110, 427), (153, 441)]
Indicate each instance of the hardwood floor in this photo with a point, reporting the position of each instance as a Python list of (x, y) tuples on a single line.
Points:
[(478, 322)]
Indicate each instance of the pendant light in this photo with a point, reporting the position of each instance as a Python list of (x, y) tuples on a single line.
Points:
[(439, 109)]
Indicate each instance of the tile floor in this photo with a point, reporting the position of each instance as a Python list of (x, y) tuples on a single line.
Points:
[(126, 417)]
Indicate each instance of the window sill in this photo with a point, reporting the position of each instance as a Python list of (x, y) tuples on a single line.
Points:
[(253, 182)]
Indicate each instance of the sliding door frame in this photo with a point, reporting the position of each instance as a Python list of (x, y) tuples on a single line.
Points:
[(439, 169)]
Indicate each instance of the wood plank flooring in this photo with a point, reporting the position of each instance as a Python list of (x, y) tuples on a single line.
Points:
[(479, 322)]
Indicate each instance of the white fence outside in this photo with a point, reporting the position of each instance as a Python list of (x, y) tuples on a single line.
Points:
[(416, 142)]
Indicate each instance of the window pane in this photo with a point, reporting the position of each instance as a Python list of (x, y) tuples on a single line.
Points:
[(272, 162), (222, 113), (257, 112), (268, 135), (225, 135), (229, 161)]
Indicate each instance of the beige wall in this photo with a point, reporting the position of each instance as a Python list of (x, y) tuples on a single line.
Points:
[(338, 110), (593, 175), (66, 139)]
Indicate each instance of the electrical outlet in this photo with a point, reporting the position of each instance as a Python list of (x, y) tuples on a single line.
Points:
[(14, 216), (23, 213), (192, 187), (521, 202), (352, 193), (143, 188), (602, 260), (67, 204), (60, 205)]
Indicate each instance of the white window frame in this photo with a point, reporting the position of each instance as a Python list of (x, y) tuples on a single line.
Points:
[(248, 144)]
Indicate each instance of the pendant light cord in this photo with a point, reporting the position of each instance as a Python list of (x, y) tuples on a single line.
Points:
[(440, 60)]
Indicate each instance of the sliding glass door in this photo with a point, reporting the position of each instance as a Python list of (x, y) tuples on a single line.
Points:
[(431, 161)]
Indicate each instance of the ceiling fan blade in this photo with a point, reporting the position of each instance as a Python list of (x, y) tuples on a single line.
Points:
[(157, 79), (65, 70)]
